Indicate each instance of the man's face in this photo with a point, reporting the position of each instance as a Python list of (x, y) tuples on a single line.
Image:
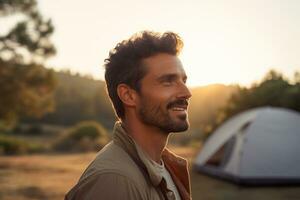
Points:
[(164, 96)]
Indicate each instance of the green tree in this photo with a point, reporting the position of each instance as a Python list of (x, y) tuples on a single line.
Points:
[(274, 90), (78, 98), (26, 87), (84, 136)]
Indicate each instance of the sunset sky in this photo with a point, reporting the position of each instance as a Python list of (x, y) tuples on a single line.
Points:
[(226, 41)]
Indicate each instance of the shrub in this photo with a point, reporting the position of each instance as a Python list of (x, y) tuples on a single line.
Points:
[(84, 137), (28, 129), (13, 146), (34, 129), (9, 146)]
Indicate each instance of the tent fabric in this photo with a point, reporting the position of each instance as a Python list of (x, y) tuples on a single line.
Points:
[(260, 146)]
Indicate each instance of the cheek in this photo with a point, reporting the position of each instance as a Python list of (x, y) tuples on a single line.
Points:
[(158, 95), (158, 98)]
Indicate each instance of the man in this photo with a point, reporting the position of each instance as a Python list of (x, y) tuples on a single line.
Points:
[(146, 84)]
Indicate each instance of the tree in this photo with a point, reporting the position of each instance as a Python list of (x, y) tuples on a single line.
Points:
[(28, 40), (78, 98), (273, 90), (26, 87)]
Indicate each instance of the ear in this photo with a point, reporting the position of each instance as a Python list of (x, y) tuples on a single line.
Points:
[(126, 94)]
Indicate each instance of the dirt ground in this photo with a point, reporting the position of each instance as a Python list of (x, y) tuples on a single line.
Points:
[(208, 188), (45, 177)]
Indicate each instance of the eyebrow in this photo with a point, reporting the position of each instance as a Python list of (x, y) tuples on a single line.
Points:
[(170, 77)]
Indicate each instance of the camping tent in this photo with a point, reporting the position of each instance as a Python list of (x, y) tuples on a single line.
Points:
[(258, 146)]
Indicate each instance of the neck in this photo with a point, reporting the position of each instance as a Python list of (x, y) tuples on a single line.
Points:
[(151, 139)]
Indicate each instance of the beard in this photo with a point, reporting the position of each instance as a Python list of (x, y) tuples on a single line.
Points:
[(161, 117)]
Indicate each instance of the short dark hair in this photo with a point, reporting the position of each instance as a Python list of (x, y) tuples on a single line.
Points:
[(124, 64)]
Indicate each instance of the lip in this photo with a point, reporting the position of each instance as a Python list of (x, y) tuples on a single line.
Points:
[(180, 103), (180, 106)]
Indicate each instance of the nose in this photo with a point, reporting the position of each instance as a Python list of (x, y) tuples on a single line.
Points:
[(184, 93)]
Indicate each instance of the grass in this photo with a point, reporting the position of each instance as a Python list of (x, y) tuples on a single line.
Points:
[(40, 176), (45, 177)]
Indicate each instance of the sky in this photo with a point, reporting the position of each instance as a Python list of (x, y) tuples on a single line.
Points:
[(225, 41)]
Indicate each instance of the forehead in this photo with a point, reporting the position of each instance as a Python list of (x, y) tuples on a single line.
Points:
[(163, 63)]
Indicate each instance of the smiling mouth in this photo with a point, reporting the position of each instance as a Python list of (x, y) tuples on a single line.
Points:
[(178, 109), (179, 105), (180, 112)]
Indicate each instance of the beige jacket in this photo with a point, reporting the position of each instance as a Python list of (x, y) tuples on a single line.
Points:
[(119, 173)]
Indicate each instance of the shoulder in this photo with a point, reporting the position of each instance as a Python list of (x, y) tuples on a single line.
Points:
[(111, 175), (106, 186), (113, 161)]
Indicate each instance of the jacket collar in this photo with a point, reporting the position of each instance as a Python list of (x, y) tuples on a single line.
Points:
[(121, 138), (176, 165)]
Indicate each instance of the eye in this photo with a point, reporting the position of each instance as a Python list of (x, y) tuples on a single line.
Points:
[(167, 82), (184, 79)]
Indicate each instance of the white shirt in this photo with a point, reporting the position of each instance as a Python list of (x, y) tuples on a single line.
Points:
[(160, 171), (166, 175)]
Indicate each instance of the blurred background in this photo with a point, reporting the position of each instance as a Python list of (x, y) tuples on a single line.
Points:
[(54, 110)]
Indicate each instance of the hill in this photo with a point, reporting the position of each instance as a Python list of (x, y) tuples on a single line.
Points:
[(205, 103), (79, 98)]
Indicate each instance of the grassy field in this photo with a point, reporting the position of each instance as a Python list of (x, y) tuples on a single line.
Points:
[(46, 177)]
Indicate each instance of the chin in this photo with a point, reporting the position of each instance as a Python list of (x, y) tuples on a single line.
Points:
[(174, 127), (180, 127)]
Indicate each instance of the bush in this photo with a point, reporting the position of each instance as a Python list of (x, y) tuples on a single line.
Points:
[(84, 137), (12, 146), (34, 129), (9, 146)]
